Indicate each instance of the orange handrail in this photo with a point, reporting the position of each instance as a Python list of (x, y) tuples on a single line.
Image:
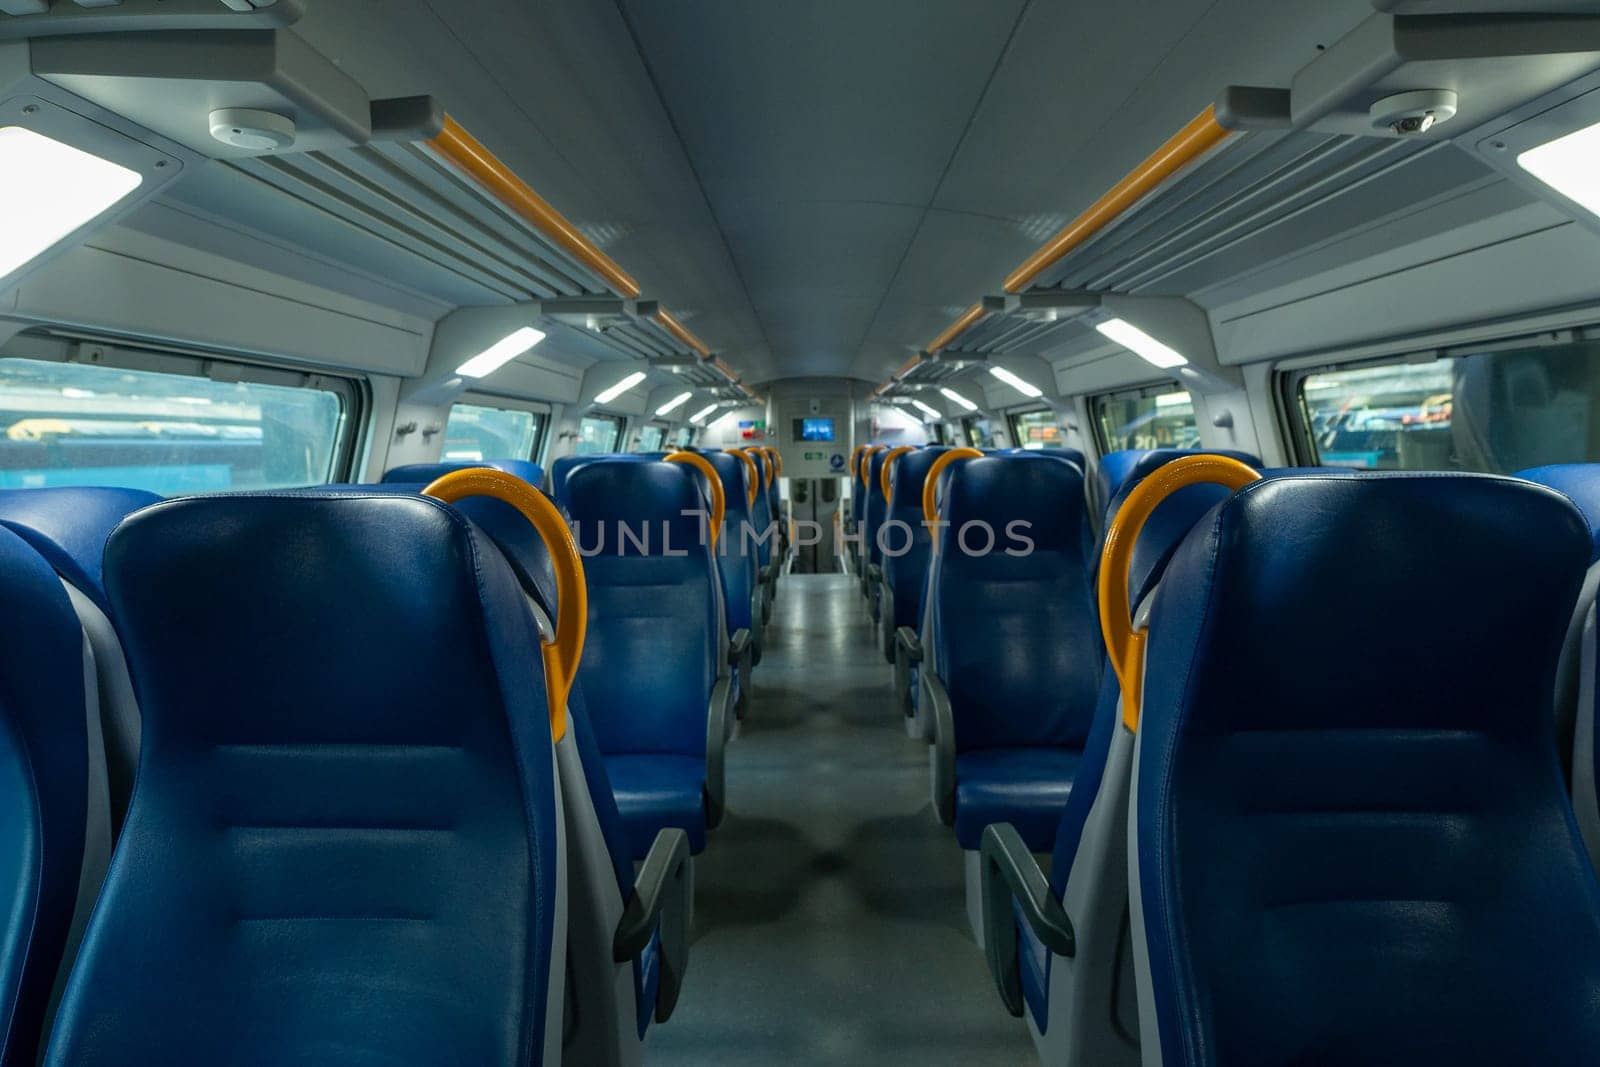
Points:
[(866, 463), (888, 463), (1124, 645), (753, 475), (459, 147), (930, 487), (677, 329), (561, 656), (777, 460), (969, 318), (719, 499)]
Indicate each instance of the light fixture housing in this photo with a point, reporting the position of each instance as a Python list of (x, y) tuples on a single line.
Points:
[(955, 397), (49, 190), (621, 387), (1142, 344), (1570, 165), (700, 416), (500, 353), (1032, 392), (927, 409), (674, 404)]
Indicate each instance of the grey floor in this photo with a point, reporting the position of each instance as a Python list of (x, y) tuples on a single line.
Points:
[(830, 923)]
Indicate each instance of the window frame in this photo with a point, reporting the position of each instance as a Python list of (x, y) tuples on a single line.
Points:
[(1289, 376), (1137, 392), (544, 411), (621, 423), (353, 391), (1014, 418)]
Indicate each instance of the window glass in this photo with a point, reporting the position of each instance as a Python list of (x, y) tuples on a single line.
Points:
[(79, 424), (650, 438), (598, 433), (479, 433), (1036, 430), (1496, 412), (685, 435), (1141, 419), (979, 433)]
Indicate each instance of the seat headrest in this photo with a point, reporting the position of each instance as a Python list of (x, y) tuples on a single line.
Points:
[(661, 502), (1003, 490), (731, 470), (1580, 483), (1115, 467), (1291, 567), (909, 473), (424, 473), (68, 526)]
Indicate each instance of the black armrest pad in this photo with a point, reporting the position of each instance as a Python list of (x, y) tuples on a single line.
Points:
[(738, 645), (1009, 873), (661, 899), (908, 641)]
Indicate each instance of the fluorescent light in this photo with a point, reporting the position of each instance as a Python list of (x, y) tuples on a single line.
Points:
[(49, 189), (674, 404), (951, 394), (700, 416), (621, 387), (931, 412), (1173, 400), (1016, 383), (1568, 164), (1141, 344), (500, 353)]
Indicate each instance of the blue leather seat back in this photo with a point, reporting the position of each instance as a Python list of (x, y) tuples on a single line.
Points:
[(1114, 469), (875, 508), (1343, 854), (736, 549), (652, 653), (1016, 637), (424, 473), (906, 572), (68, 526), (346, 741), (43, 789)]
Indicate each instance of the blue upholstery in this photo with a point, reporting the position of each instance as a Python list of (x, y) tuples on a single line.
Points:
[(68, 526), (43, 789), (1015, 639), (906, 573), (1119, 470), (424, 473), (736, 548), (764, 513), (653, 653), (1343, 859), (346, 741), (1114, 469), (1579, 482), (873, 510)]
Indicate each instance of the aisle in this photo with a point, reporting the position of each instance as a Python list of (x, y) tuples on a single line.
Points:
[(830, 925)]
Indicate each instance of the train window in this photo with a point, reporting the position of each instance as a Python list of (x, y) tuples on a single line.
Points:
[(83, 424), (684, 435), (1160, 417), (475, 432), (1496, 411), (1036, 430), (979, 433), (598, 433), (650, 437)]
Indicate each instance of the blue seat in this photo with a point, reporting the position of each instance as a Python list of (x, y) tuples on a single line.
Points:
[(68, 526), (55, 834), (905, 566), (425, 473), (654, 678), (764, 516), (873, 512), (1576, 689), (1342, 858), (346, 741), (1118, 469), (1013, 662), (737, 553)]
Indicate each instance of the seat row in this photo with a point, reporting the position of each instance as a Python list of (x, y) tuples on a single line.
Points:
[(1265, 807), (358, 773)]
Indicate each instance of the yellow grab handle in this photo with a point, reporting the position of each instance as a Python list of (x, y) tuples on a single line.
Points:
[(766, 465), (777, 460), (719, 502), (930, 488), (753, 476), (888, 463), (561, 656), (1124, 644), (866, 462), (855, 459)]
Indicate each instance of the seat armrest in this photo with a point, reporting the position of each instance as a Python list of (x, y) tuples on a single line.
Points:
[(741, 657), (1009, 873), (661, 897), (719, 724), (936, 700), (738, 647), (874, 572), (907, 653)]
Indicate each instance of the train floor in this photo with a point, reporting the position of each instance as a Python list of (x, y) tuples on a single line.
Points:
[(830, 923)]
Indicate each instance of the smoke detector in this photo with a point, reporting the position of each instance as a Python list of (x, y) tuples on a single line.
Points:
[(252, 130), (1411, 114)]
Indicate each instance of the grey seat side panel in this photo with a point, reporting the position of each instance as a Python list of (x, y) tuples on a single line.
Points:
[(1572, 676), (119, 708), (556, 998), (1149, 1032), (1585, 804), (96, 834), (600, 993), (1083, 1024)]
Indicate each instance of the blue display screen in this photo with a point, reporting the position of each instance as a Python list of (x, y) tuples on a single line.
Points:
[(816, 429)]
